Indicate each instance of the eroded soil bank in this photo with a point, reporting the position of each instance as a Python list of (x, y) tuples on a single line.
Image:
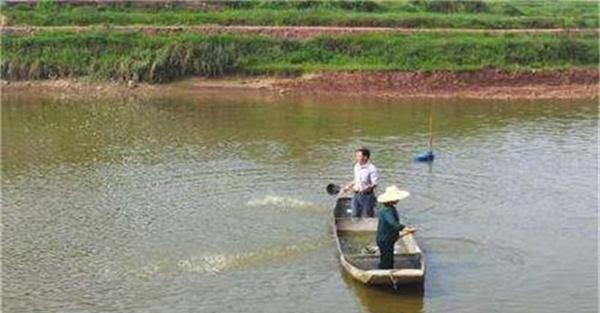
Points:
[(485, 84)]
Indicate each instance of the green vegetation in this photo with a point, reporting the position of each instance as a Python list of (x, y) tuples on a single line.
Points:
[(161, 58), (407, 13)]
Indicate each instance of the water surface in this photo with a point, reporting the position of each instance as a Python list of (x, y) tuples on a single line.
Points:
[(198, 203)]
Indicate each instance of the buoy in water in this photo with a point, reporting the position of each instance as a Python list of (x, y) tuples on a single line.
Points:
[(428, 155), (425, 157)]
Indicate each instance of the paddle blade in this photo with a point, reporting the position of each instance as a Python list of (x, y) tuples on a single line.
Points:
[(333, 189)]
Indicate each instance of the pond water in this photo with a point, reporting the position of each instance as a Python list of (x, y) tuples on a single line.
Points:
[(215, 203)]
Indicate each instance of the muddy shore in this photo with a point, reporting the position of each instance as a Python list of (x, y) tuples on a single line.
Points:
[(484, 84)]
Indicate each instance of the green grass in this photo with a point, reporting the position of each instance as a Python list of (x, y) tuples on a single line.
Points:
[(408, 13), (161, 58)]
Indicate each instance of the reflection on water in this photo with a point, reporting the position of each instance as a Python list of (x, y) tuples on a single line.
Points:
[(407, 299), (192, 202)]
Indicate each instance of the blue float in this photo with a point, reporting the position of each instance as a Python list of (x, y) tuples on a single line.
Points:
[(428, 156), (425, 157)]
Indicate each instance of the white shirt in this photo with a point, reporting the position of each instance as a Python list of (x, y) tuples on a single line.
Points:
[(365, 176)]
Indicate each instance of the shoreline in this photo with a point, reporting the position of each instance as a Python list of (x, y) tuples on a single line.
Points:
[(482, 84)]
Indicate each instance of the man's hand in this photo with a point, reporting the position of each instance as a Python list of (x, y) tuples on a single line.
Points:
[(369, 189), (342, 191), (408, 230)]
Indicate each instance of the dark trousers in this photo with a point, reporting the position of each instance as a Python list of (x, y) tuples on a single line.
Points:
[(363, 203), (387, 254)]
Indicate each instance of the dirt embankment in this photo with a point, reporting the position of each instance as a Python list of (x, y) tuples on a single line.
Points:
[(484, 84), (479, 84)]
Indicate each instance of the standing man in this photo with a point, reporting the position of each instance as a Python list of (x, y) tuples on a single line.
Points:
[(365, 181)]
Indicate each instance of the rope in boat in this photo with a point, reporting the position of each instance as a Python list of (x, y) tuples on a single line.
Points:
[(394, 280)]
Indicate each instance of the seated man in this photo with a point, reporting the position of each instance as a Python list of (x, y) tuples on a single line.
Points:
[(389, 227)]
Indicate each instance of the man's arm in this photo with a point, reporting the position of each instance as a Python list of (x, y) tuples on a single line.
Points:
[(347, 187), (388, 217)]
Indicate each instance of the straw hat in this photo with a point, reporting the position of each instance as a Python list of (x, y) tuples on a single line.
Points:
[(391, 194)]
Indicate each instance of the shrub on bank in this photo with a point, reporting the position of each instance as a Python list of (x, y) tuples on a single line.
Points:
[(165, 57)]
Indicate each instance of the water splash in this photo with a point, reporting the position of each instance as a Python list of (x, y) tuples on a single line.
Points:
[(220, 263), (285, 203), (278, 201)]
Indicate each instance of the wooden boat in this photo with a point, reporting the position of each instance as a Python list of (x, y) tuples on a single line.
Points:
[(359, 255)]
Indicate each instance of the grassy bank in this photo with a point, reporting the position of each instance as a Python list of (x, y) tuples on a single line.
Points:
[(409, 13), (161, 58)]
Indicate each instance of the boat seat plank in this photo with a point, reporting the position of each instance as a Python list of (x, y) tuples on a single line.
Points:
[(400, 262)]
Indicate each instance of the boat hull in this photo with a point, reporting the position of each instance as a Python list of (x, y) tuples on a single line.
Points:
[(360, 260)]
